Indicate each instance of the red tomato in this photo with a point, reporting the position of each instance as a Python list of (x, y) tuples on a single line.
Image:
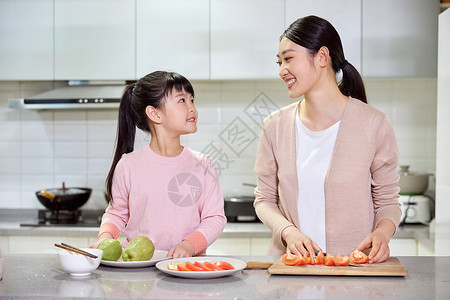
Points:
[(358, 257), (307, 259), (192, 267), (182, 267), (341, 260), (320, 258), (329, 260), (201, 266), (290, 259), (213, 267), (224, 265)]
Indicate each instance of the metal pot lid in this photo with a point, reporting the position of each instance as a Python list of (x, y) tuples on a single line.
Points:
[(63, 191)]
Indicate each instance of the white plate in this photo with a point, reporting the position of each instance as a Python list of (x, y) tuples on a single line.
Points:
[(238, 265), (159, 255)]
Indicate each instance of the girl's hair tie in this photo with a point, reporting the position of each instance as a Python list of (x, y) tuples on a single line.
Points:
[(344, 64)]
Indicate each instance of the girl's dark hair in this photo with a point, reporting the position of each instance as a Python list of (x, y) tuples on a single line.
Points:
[(312, 33), (150, 90)]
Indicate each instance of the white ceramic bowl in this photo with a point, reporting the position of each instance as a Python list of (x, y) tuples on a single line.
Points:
[(78, 264)]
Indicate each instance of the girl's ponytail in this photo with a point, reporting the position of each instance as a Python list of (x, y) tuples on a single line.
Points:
[(351, 83), (150, 90), (126, 131)]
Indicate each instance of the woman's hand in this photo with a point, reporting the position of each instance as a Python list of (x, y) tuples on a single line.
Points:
[(183, 249), (379, 241), (298, 242), (101, 238)]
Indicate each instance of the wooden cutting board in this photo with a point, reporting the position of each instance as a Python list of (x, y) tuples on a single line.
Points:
[(391, 267)]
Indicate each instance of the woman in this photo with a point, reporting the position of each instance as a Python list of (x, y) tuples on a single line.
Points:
[(326, 164)]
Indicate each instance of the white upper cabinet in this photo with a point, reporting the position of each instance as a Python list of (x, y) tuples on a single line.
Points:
[(94, 39), (244, 38), (173, 35), (400, 38), (344, 15), (26, 40)]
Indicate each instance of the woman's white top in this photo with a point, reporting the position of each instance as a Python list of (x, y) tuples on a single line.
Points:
[(314, 150)]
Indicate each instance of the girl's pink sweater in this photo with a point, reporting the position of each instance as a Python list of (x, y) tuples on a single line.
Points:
[(167, 199)]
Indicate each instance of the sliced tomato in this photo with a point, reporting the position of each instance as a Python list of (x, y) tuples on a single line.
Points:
[(329, 260), (291, 259), (341, 260), (201, 266), (320, 258), (224, 265), (301, 261), (213, 267), (307, 259), (312, 260), (358, 257), (182, 267), (192, 267)]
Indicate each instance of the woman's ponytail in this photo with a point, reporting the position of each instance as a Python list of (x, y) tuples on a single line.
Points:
[(126, 132), (312, 33), (351, 83)]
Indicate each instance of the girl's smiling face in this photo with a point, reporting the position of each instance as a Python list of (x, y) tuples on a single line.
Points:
[(179, 113), (296, 68)]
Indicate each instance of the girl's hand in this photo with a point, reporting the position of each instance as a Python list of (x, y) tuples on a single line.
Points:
[(183, 249), (101, 238), (379, 241), (298, 242)]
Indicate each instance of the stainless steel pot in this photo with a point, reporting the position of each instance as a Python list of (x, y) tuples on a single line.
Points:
[(412, 183), (64, 198)]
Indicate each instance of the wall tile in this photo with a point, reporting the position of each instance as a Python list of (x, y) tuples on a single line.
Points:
[(9, 166), (10, 148), (70, 149), (70, 166), (36, 166), (38, 149)]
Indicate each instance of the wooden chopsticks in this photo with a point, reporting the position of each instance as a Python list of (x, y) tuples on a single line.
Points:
[(76, 250)]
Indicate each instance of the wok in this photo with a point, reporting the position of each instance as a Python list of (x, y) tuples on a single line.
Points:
[(64, 198)]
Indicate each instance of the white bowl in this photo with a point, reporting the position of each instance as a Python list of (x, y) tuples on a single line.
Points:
[(78, 264)]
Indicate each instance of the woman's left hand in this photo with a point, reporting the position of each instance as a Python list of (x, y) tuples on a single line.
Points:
[(183, 249), (379, 241)]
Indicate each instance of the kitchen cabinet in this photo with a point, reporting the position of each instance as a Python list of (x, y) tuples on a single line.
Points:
[(95, 40), (403, 247), (244, 38), (399, 38), (239, 246), (344, 15), (169, 38), (26, 47)]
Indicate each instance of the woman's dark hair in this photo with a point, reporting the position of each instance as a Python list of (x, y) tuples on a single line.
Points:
[(312, 33), (150, 90)]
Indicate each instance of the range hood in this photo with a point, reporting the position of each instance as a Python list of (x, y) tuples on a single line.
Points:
[(81, 96)]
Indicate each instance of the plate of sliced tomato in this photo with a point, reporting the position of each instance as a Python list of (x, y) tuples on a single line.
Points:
[(201, 267)]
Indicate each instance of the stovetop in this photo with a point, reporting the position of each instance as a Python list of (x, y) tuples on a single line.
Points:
[(75, 218)]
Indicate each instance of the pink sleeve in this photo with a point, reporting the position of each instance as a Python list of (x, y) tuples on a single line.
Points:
[(111, 228), (212, 213), (197, 240)]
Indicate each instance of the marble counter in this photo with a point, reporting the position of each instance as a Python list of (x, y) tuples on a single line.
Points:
[(33, 277)]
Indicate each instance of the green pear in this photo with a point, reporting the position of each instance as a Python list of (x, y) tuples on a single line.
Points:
[(139, 249), (112, 249)]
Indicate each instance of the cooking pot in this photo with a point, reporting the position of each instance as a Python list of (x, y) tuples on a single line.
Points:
[(64, 198), (412, 183)]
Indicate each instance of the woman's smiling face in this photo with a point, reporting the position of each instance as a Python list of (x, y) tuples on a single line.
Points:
[(296, 68)]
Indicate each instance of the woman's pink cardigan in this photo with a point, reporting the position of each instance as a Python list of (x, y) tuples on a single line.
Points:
[(361, 185)]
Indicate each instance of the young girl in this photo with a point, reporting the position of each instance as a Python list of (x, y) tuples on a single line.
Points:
[(326, 164), (163, 191)]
